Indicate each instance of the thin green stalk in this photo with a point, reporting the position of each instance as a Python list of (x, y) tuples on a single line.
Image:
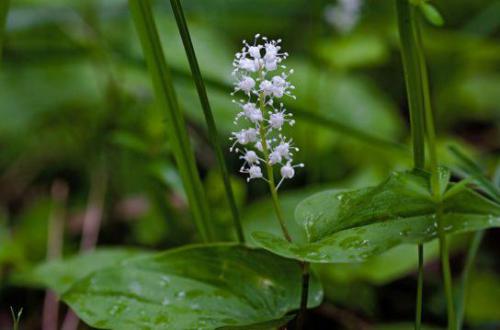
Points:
[(409, 54), (448, 285), (281, 220), (304, 295), (270, 176), (207, 111), (411, 64), (176, 128), (420, 287), (4, 10), (464, 281), (436, 192)]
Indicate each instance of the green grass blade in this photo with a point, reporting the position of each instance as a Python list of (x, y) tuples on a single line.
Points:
[(176, 128), (409, 55), (4, 10), (472, 169), (207, 111), (415, 94)]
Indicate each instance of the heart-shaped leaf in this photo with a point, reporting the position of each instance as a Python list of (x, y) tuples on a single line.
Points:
[(349, 226), (196, 287)]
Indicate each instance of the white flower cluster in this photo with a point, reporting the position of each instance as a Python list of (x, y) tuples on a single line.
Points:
[(262, 78), (344, 15)]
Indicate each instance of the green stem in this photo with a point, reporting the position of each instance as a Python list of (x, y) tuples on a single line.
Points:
[(445, 265), (281, 218), (420, 286), (4, 10), (207, 111), (464, 281), (304, 294), (409, 54), (436, 192), (176, 127), (270, 173)]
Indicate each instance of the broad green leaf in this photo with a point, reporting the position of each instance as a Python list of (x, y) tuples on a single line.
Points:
[(350, 226), (203, 286), (59, 275)]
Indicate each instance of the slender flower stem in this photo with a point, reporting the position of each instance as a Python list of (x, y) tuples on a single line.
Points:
[(270, 175), (207, 111), (281, 219)]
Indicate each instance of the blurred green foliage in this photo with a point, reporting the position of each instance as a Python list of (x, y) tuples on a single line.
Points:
[(75, 94)]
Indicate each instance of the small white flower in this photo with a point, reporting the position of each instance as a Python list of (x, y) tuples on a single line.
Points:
[(287, 171), (283, 149), (251, 134), (249, 64), (271, 65), (255, 172), (246, 84), (271, 51), (276, 120), (278, 81), (266, 87), (254, 69), (254, 51), (344, 15), (274, 158), (251, 157)]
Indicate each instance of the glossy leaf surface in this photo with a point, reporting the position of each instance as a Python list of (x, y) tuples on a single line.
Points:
[(353, 225), (197, 287)]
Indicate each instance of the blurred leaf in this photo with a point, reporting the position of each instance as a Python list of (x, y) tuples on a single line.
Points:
[(354, 50), (350, 226), (431, 13), (349, 100), (60, 275), (483, 305), (230, 286)]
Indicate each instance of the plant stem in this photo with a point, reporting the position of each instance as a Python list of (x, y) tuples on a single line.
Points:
[(207, 111), (270, 173), (281, 219), (436, 192), (176, 127), (420, 286), (4, 10), (411, 64), (304, 294), (409, 54), (464, 281), (445, 265), (55, 240)]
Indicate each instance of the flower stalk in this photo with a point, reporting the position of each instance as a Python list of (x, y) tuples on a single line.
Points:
[(262, 79)]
